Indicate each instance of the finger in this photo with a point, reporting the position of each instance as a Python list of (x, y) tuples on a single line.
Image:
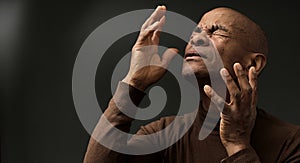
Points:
[(168, 55), (157, 32), (147, 33), (158, 15), (215, 98), (155, 16), (242, 78), (252, 77), (253, 84), (232, 87)]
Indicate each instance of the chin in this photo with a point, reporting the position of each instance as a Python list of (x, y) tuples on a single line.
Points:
[(195, 69)]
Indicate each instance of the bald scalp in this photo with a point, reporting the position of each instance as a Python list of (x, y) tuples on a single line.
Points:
[(250, 34)]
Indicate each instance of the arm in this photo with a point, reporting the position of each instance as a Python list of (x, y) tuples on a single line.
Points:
[(96, 152), (291, 148), (238, 115), (146, 68), (238, 118)]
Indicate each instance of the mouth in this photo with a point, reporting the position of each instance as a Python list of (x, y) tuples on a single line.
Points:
[(194, 55)]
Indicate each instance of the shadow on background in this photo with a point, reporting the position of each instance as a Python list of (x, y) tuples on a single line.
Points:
[(39, 43)]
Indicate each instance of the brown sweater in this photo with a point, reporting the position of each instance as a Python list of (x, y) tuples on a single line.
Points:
[(272, 139)]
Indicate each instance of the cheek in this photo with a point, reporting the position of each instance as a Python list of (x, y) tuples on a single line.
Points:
[(228, 52), (220, 45)]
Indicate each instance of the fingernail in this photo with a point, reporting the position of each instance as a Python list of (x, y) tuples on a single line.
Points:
[(253, 70), (238, 66), (224, 72), (207, 89)]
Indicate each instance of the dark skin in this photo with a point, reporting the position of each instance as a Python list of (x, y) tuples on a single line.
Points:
[(243, 62)]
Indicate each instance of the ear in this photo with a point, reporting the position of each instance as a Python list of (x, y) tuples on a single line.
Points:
[(257, 60)]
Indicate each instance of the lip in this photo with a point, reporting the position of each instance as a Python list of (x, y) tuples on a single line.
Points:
[(194, 55)]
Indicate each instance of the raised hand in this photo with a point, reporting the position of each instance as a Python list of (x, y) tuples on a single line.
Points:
[(238, 116), (146, 66)]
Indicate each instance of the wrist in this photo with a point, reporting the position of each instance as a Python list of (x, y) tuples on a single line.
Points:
[(134, 83)]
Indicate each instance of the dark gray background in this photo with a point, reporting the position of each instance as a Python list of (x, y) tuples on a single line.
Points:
[(39, 43)]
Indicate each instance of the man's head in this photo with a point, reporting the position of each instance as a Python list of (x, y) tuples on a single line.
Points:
[(236, 37)]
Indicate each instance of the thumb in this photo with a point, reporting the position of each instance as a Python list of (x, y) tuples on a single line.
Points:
[(168, 55)]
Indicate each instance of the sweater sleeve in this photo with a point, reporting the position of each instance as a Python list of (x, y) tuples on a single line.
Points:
[(289, 151), (246, 156), (291, 148), (112, 119)]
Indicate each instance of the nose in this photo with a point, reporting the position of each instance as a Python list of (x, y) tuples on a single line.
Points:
[(199, 39)]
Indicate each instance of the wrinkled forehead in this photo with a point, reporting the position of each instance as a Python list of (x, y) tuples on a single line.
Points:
[(230, 19)]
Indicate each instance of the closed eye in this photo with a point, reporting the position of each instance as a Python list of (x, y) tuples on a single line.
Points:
[(220, 28)]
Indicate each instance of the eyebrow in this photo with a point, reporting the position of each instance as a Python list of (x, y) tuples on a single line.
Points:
[(221, 27)]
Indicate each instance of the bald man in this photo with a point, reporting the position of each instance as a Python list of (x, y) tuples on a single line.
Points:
[(245, 133)]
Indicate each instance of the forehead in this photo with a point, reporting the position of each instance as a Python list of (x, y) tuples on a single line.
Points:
[(232, 20)]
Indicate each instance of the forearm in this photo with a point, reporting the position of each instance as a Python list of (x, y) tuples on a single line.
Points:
[(112, 119), (97, 153)]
